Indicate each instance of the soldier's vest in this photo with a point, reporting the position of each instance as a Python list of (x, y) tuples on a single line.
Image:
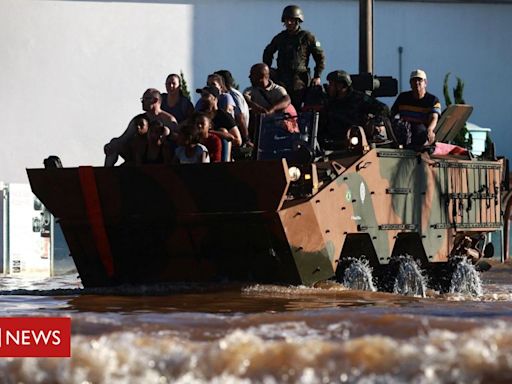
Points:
[(293, 52)]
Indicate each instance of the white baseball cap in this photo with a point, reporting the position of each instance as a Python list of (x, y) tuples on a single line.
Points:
[(418, 73)]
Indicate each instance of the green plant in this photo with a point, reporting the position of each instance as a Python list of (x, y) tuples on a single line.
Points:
[(236, 85), (489, 151), (463, 138), (447, 98), (184, 85)]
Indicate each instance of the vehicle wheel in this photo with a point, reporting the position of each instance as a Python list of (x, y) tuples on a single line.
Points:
[(358, 276), (466, 279), (409, 279)]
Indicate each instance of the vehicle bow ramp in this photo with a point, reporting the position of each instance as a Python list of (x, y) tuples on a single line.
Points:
[(161, 223)]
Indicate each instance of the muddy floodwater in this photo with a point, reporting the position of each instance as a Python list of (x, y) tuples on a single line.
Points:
[(227, 333)]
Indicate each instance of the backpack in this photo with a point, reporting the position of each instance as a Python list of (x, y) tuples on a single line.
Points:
[(290, 119)]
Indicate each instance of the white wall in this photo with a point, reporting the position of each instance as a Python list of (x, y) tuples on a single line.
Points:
[(72, 72)]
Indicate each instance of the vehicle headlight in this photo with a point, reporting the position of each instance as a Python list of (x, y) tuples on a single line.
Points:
[(294, 173), (354, 140)]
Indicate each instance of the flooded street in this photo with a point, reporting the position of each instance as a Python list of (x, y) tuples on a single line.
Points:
[(267, 333)]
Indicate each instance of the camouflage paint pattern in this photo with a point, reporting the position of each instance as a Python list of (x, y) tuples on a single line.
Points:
[(247, 221)]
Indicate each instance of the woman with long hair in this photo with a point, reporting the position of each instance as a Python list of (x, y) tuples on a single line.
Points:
[(174, 101)]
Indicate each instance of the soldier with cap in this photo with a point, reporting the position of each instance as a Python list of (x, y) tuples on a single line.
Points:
[(347, 107), (419, 109), (294, 46)]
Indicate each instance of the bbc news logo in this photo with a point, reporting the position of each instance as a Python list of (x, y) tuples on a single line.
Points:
[(35, 337)]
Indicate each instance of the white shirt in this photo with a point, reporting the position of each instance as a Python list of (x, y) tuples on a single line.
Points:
[(197, 156)]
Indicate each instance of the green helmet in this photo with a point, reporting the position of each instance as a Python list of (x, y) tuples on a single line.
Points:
[(340, 77), (292, 12)]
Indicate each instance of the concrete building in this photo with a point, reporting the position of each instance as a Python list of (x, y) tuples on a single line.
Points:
[(72, 72)]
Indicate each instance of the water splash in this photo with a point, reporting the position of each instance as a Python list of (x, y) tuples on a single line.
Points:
[(409, 279), (242, 356), (465, 279), (358, 276)]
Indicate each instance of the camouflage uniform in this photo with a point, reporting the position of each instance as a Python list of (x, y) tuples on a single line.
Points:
[(353, 109), (293, 60)]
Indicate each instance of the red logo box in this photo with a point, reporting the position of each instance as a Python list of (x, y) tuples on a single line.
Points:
[(35, 337)]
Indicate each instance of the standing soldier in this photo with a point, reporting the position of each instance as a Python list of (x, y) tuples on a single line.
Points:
[(294, 46)]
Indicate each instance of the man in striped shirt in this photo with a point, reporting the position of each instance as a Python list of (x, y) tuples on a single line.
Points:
[(419, 108)]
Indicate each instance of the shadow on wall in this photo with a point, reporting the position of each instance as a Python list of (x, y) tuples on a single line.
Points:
[(242, 53), (230, 34), (212, 28), (241, 35)]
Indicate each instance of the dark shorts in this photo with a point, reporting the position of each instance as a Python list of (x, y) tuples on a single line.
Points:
[(418, 134)]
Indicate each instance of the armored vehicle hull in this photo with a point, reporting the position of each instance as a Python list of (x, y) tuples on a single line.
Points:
[(271, 222)]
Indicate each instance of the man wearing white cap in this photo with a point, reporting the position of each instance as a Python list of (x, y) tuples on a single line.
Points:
[(419, 108)]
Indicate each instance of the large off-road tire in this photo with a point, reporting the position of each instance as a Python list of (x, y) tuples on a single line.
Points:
[(358, 276), (409, 279), (465, 279)]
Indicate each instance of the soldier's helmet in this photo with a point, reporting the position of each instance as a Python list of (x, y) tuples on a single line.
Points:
[(292, 12), (340, 77)]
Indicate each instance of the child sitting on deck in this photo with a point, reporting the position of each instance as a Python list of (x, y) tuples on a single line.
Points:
[(190, 151), (208, 137), (155, 149), (137, 144)]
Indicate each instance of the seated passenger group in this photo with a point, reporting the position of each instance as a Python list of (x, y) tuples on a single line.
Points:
[(172, 130)]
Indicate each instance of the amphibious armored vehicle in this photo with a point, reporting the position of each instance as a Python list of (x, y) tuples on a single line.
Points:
[(284, 218), (295, 215)]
